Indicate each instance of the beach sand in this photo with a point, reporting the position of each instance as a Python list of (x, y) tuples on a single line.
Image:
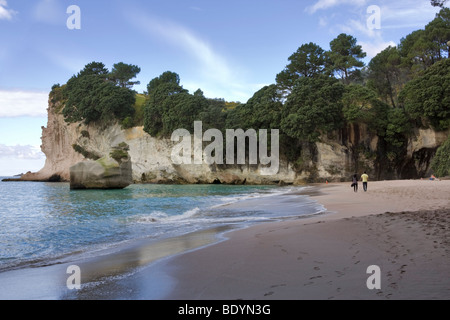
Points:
[(403, 227)]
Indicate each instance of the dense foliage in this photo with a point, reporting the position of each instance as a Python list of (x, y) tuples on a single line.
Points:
[(441, 163), (170, 107), (94, 95), (428, 96)]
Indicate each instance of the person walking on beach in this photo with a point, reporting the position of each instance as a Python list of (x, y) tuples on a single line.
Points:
[(365, 180), (355, 183)]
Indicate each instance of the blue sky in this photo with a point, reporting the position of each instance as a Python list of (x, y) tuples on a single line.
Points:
[(229, 49)]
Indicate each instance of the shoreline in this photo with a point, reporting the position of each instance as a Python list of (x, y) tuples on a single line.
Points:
[(115, 264)]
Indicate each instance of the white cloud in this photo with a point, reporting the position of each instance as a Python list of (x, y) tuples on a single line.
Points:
[(374, 48), (23, 103), (21, 152), (6, 14), (211, 62), (327, 4), (217, 78), (401, 14), (323, 22), (354, 26)]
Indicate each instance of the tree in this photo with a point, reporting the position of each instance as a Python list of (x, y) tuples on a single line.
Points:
[(358, 104), (214, 115), (170, 80), (180, 111), (385, 75), (345, 57), (428, 97), (171, 107), (262, 111), (94, 68), (438, 3), (441, 162), (90, 97), (423, 48), (313, 107), (122, 73), (307, 61), (438, 33), (159, 90)]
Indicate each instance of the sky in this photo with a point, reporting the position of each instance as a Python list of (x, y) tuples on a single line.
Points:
[(229, 49)]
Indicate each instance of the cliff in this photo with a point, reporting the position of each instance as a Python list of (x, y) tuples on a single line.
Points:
[(335, 158)]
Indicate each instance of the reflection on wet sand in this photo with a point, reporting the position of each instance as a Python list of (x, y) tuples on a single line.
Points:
[(100, 277)]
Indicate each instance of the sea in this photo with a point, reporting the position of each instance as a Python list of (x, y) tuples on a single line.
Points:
[(44, 224)]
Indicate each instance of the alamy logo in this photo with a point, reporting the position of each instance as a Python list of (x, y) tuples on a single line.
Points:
[(74, 20), (374, 281), (186, 152), (374, 20), (74, 280)]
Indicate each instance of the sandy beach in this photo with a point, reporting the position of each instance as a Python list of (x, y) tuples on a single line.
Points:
[(400, 226)]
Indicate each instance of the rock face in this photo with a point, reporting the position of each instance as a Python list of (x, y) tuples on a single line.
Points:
[(336, 157), (105, 173)]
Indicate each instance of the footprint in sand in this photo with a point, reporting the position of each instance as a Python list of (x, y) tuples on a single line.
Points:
[(340, 274), (278, 285)]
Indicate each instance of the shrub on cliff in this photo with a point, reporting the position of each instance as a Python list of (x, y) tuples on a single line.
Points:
[(441, 162), (313, 107), (91, 97), (170, 107), (428, 97)]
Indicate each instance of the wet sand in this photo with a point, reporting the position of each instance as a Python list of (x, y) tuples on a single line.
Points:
[(403, 227)]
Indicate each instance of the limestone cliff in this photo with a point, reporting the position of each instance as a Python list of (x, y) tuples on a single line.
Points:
[(335, 158)]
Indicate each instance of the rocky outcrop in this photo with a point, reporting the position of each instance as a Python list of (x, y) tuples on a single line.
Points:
[(336, 157), (422, 148), (110, 172)]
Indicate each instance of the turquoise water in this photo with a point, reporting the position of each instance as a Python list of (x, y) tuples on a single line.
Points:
[(44, 223)]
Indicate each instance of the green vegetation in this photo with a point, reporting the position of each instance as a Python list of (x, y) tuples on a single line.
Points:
[(85, 153), (313, 107), (122, 74), (441, 163), (120, 152), (171, 107), (118, 155), (95, 96), (428, 96), (85, 134)]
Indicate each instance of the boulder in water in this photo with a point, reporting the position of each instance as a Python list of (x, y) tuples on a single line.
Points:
[(110, 172)]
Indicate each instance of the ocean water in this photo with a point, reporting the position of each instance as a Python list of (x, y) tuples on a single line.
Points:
[(44, 224)]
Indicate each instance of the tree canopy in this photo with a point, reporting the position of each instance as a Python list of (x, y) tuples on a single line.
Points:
[(121, 74), (345, 57), (314, 107), (441, 163), (308, 61), (91, 97), (428, 96)]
